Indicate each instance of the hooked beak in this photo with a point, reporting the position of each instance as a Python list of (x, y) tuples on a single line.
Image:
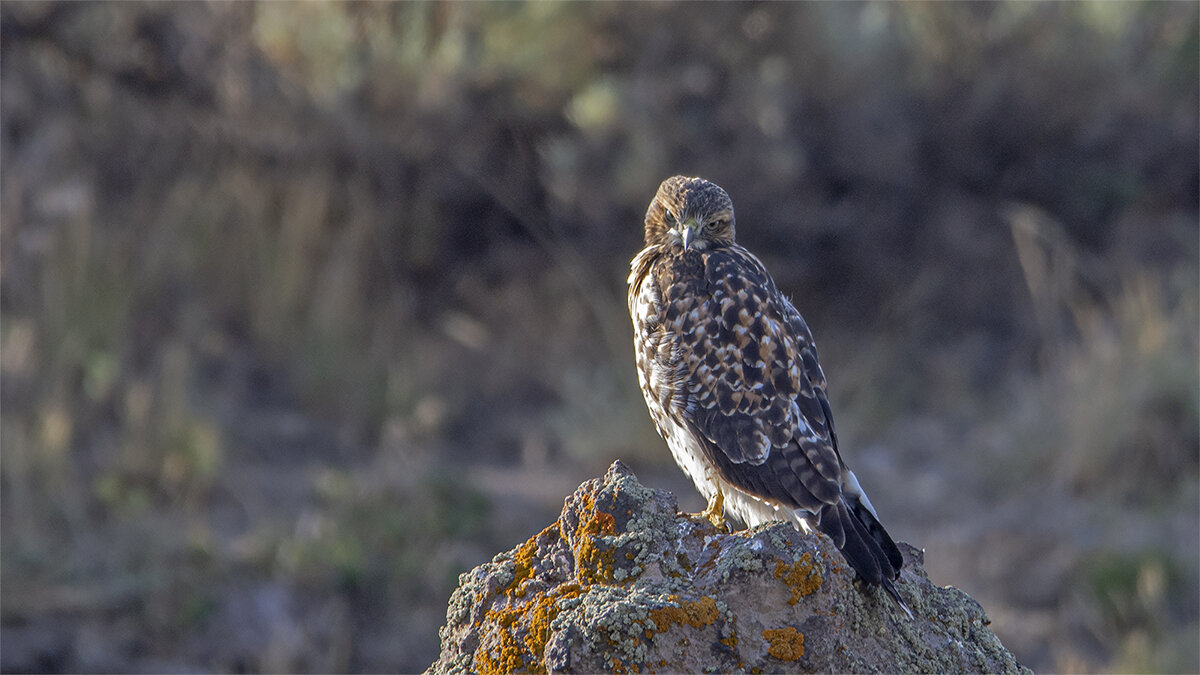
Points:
[(688, 235)]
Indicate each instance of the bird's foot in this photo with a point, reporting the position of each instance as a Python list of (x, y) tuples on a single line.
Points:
[(715, 513)]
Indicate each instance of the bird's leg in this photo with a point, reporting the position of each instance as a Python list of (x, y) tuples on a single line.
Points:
[(715, 513)]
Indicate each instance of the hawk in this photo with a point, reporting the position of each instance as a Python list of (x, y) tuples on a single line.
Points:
[(730, 375)]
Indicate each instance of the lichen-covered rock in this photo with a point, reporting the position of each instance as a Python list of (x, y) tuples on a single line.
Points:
[(622, 582)]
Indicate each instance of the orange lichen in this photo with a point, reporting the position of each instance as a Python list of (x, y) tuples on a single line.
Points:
[(510, 656), (619, 668), (521, 629), (802, 577), (522, 633), (786, 644), (523, 565), (522, 568), (593, 557), (730, 641), (540, 616), (695, 613)]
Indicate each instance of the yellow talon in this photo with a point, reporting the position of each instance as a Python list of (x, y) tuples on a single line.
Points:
[(715, 513)]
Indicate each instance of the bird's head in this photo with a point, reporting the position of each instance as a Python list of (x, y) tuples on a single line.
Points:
[(689, 213)]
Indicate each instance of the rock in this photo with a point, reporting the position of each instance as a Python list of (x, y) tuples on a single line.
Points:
[(622, 582)]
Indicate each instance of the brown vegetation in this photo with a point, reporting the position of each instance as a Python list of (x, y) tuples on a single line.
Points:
[(308, 307)]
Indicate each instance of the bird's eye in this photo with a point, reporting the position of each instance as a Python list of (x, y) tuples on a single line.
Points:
[(713, 225), (668, 215)]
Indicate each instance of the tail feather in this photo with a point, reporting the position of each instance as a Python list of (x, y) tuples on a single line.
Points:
[(858, 502), (866, 518), (841, 526), (891, 589), (865, 544)]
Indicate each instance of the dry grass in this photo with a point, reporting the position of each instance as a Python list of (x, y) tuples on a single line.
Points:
[(271, 279)]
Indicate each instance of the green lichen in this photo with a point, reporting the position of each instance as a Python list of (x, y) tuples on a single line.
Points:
[(739, 559)]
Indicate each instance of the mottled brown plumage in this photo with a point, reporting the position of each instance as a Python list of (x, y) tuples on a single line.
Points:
[(730, 376)]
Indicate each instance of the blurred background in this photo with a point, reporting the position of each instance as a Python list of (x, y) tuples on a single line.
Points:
[(309, 308)]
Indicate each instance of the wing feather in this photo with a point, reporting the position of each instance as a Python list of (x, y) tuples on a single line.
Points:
[(755, 392), (731, 379)]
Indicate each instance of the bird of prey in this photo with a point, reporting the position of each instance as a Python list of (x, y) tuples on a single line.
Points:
[(730, 375)]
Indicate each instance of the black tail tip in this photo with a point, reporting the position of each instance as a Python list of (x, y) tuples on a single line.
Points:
[(891, 589)]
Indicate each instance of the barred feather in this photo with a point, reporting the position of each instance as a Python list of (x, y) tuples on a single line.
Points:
[(730, 375)]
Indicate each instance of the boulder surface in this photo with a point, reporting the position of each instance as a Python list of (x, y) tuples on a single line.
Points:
[(623, 582)]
